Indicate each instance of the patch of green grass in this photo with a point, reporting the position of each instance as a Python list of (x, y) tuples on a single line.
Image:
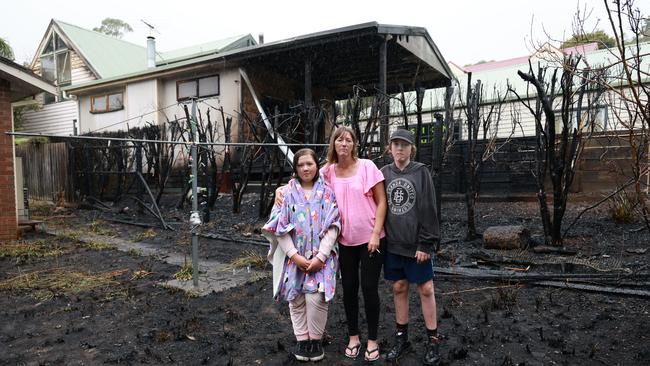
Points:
[(192, 294), (24, 251), (185, 273), (622, 208), (134, 252), (99, 227), (147, 234), (98, 245), (248, 259), (60, 281), (73, 236), (140, 274), (117, 294), (43, 295)]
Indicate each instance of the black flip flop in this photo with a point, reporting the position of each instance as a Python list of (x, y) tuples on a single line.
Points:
[(369, 352), (354, 351)]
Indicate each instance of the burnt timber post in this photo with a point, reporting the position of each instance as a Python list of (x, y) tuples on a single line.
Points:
[(383, 106), (436, 162), (309, 121), (419, 92)]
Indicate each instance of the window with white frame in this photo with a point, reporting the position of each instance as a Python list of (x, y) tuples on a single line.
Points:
[(55, 61), (106, 103), (203, 87), (595, 118), (55, 65)]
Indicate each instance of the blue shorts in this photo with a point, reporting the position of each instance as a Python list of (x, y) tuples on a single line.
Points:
[(397, 267)]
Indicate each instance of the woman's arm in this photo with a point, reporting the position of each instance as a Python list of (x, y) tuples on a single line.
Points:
[(279, 194), (379, 195)]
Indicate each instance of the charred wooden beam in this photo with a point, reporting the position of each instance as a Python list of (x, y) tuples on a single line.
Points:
[(383, 127)]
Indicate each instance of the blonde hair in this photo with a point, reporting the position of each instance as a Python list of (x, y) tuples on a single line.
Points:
[(332, 156)]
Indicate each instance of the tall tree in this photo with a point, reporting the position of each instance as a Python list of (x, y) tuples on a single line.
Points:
[(599, 36), (5, 49), (114, 27), (482, 130), (560, 135)]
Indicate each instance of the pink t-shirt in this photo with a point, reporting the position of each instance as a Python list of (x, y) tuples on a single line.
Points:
[(355, 200)]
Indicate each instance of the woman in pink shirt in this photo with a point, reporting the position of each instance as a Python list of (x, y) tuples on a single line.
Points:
[(359, 189)]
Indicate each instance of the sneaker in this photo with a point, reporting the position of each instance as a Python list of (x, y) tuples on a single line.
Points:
[(431, 357), (400, 347), (316, 352), (302, 350)]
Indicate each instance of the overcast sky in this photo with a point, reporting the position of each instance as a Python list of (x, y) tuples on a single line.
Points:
[(465, 31)]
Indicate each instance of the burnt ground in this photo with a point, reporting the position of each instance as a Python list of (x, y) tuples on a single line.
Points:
[(133, 320)]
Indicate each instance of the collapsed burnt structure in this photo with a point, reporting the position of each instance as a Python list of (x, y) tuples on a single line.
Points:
[(267, 95)]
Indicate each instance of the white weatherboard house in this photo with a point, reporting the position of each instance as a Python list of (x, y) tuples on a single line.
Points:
[(71, 56), (516, 121)]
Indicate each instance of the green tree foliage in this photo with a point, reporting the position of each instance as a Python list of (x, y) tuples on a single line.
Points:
[(599, 36), (5, 49), (114, 27)]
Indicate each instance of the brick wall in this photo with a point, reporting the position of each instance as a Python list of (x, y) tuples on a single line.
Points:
[(8, 223)]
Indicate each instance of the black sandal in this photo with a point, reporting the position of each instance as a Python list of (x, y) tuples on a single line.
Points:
[(354, 351), (369, 352)]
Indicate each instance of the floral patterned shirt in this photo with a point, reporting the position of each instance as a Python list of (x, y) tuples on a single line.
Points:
[(307, 221)]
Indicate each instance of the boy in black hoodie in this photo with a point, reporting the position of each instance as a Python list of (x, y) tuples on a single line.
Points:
[(411, 231)]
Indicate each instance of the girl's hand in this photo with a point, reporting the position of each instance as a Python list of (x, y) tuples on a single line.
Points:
[(301, 262), (279, 195), (421, 257), (373, 244), (315, 265)]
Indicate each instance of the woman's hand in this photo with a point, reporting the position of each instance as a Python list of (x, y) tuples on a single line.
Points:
[(421, 257), (279, 194), (315, 265), (301, 262), (373, 243)]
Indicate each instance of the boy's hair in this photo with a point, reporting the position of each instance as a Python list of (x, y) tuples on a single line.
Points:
[(300, 153), (413, 150), (332, 156)]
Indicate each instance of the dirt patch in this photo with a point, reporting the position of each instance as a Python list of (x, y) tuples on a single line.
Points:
[(129, 319)]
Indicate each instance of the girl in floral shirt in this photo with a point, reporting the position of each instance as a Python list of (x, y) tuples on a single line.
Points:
[(303, 232)]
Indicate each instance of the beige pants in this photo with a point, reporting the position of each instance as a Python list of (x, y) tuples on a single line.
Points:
[(308, 316)]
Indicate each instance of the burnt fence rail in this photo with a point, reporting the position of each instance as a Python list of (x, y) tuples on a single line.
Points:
[(68, 171), (604, 164)]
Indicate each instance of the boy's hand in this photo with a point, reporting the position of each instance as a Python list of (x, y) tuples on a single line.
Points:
[(421, 257)]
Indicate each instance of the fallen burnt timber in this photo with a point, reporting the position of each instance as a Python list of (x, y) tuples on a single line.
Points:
[(551, 279)]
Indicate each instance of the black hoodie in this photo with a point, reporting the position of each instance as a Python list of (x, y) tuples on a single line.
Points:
[(412, 221)]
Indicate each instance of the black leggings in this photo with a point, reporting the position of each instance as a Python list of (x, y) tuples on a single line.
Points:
[(350, 260)]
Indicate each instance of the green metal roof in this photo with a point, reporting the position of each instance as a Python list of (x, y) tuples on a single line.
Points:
[(203, 49), (107, 55), (111, 57)]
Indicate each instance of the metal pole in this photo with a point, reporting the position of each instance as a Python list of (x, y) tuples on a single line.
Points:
[(97, 138), (195, 219)]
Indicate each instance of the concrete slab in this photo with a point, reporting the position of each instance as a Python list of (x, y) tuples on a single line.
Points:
[(214, 276)]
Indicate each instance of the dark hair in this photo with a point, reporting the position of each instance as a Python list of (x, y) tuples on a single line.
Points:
[(332, 156), (300, 153)]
